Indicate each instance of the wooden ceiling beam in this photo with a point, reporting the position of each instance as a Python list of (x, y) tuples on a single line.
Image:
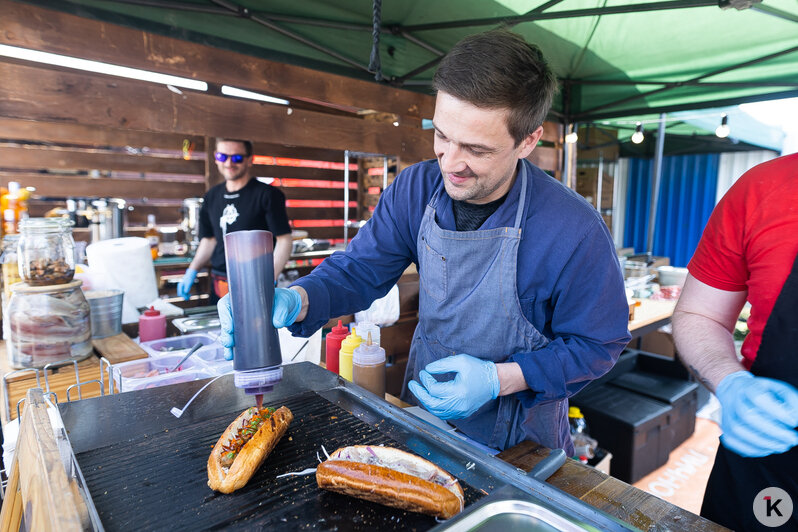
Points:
[(42, 29), (34, 93)]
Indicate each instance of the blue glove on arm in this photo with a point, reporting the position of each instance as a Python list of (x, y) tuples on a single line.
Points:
[(285, 308), (476, 383), (758, 416), (287, 304), (226, 324), (185, 284)]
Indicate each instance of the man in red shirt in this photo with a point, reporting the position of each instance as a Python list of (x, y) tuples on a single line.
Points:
[(749, 251)]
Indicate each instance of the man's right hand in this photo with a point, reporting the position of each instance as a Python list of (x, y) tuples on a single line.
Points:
[(285, 308), (759, 415), (185, 284)]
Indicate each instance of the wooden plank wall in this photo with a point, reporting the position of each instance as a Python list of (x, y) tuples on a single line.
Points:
[(154, 173), (72, 134)]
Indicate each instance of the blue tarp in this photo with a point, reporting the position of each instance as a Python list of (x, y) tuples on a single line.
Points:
[(686, 199)]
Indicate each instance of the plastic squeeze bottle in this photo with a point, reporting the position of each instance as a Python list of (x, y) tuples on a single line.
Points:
[(152, 325), (368, 367), (365, 328), (152, 236), (345, 355), (332, 346)]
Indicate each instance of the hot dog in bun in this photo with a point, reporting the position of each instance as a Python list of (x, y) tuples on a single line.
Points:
[(244, 446), (391, 477)]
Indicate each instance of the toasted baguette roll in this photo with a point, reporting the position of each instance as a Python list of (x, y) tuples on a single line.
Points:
[(391, 477), (249, 458)]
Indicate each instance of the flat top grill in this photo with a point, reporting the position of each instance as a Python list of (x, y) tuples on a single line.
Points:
[(159, 480)]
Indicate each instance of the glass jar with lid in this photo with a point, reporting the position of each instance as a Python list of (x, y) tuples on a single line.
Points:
[(46, 251), (47, 324)]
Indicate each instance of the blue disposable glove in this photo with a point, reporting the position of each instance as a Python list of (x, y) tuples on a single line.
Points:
[(476, 383), (287, 304), (226, 324), (758, 416), (185, 284)]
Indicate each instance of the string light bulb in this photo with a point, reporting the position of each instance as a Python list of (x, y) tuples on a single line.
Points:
[(723, 129), (571, 137), (637, 136)]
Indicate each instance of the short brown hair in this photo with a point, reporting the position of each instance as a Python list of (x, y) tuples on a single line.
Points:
[(499, 69), (247, 144)]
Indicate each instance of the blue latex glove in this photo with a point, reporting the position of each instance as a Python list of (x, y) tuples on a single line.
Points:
[(759, 414), (287, 304), (185, 284), (476, 383), (226, 323)]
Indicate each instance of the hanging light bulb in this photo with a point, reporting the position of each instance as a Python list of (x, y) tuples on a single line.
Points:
[(571, 137), (723, 129), (637, 136)]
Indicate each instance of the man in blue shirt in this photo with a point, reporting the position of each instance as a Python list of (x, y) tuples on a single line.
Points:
[(521, 299)]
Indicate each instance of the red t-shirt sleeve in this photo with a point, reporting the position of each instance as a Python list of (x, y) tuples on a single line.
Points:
[(719, 260)]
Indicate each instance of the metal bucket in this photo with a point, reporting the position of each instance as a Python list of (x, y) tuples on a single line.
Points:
[(106, 312)]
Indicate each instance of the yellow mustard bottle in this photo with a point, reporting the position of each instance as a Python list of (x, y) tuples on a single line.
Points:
[(345, 355)]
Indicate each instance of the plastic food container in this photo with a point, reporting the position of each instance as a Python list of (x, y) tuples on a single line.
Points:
[(221, 367), (153, 372), (181, 344), (671, 276), (210, 354)]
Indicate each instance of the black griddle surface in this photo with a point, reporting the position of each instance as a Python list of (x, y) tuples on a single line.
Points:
[(159, 481)]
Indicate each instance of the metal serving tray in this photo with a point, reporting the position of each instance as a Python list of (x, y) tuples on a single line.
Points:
[(145, 469)]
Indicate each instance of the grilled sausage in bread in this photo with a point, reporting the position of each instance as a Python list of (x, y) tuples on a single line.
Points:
[(244, 446), (391, 477)]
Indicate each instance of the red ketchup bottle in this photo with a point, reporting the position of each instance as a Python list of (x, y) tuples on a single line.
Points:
[(333, 346), (152, 325)]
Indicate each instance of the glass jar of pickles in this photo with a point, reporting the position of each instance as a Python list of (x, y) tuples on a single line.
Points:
[(46, 251), (47, 324)]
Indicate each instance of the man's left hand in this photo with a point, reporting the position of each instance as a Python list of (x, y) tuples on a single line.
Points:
[(476, 383)]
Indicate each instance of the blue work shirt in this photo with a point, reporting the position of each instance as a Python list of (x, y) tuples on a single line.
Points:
[(570, 286)]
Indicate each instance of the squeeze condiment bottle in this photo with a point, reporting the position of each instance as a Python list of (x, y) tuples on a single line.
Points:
[(368, 367), (332, 346), (152, 325), (345, 354)]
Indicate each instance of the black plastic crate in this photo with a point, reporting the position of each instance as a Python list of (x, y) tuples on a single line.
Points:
[(682, 395), (629, 425)]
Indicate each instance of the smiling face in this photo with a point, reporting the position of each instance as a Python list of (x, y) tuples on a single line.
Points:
[(475, 151), (228, 169)]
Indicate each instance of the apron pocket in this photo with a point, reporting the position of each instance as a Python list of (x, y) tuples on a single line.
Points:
[(433, 272)]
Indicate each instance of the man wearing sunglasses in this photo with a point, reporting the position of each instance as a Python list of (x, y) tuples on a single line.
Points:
[(240, 203)]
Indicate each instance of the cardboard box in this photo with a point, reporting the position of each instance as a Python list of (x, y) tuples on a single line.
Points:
[(660, 343), (601, 462)]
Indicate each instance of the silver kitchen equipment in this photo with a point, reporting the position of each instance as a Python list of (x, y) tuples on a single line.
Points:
[(190, 223), (107, 218)]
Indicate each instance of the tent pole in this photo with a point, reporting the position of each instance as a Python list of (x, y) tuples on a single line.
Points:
[(652, 215)]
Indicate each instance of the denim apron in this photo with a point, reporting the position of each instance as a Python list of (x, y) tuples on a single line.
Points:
[(468, 303)]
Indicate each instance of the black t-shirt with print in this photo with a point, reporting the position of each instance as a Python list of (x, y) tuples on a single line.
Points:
[(256, 206)]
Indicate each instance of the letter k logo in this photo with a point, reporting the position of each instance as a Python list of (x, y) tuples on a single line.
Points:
[(772, 506)]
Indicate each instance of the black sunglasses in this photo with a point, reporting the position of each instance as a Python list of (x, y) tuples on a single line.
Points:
[(236, 158)]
